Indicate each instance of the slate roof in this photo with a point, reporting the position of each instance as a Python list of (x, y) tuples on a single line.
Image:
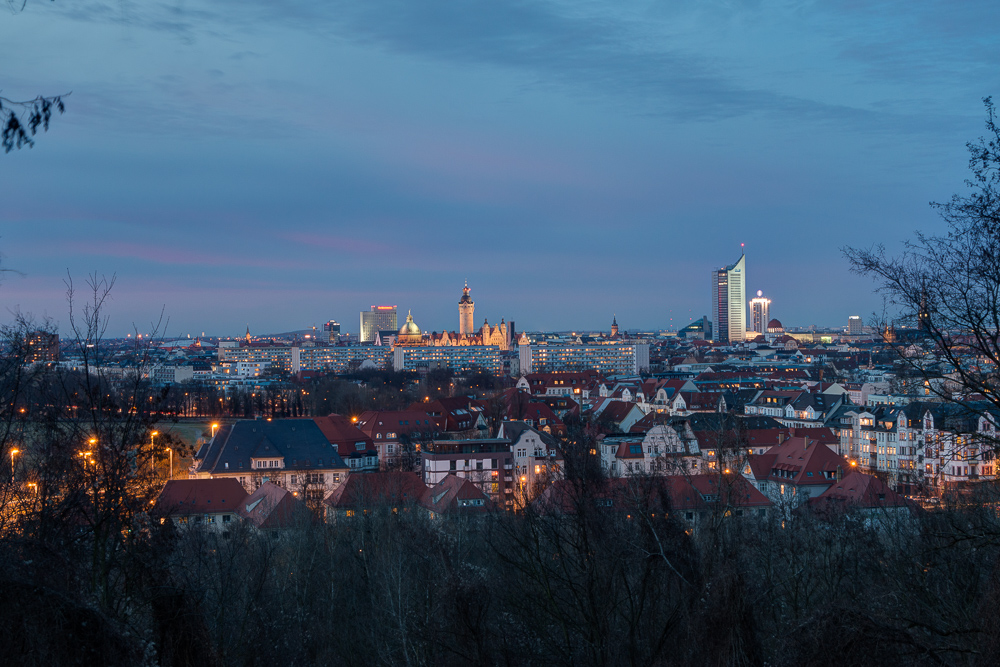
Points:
[(300, 442)]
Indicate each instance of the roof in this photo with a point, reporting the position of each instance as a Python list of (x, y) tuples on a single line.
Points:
[(678, 492), (455, 493), (271, 506), (377, 488), (799, 461), (416, 423), (199, 496), (860, 490), (342, 434), (299, 442)]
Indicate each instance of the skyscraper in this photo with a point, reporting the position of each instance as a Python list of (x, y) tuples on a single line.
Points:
[(855, 326), (466, 308), (729, 317), (760, 312), (380, 318)]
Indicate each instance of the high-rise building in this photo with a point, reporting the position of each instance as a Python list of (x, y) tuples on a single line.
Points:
[(855, 327), (43, 346), (379, 318), (332, 330), (466, 310), (760, 312), (729, 317)]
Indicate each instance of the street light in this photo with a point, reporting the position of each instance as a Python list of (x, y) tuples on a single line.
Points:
[(214, 427), (171, 463), (152, 452), (13, 453)]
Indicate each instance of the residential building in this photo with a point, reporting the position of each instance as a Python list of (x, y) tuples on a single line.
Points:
[(613, 358), (43, 346), (458, 358), (489, 464), (210, 502), (292, 453)]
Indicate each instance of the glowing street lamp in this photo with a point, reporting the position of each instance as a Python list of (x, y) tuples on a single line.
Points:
[(152, 434), (214, 427), (13, 453), (171, 462)]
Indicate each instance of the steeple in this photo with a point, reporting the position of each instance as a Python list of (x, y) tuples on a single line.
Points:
[(248, 334), (466, 311), (614, 325)]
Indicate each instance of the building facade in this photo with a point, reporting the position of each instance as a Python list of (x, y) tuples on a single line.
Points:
[(379, 318), (760, 313), (606, 358), (729, 318)]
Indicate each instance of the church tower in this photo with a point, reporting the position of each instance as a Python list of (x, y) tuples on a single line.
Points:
[(614, 326), (466, 308)]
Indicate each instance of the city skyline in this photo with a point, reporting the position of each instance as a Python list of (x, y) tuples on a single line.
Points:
[(306, 162)]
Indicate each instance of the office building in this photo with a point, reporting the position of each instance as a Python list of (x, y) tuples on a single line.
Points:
[(332, 331), (760, 313), (729, 318), (855, 326), (379, 318)]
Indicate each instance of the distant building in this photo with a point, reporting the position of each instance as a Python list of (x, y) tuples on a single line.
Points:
[(729, 318), (760, 312), (167, 374), (466, 313), (43, 346), (332, 330), (697, 330), (606, 358), (379, 318), (855, 325)]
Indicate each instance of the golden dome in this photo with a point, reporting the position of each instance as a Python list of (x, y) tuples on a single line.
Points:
[(409, 332)]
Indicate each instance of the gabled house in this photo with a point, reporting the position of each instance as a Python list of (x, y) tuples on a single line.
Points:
[(292, 453), (795, 471), (210, 502), (396, 491), (455, 495), (271, 507), (356, 448)]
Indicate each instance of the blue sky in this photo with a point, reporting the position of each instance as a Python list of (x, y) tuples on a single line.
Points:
[(281, 164)]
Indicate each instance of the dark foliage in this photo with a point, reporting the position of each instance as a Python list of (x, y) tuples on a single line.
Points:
[(21, 120)]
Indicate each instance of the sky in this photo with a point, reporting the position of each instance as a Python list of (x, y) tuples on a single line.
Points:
[(280, 164)]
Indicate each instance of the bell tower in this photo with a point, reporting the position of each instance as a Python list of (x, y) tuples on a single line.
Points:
[(466, 309)]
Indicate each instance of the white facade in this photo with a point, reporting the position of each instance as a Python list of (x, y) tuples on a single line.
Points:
[(729, 317)]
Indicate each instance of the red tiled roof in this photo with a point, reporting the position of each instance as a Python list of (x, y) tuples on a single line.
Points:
[(858, 489), (340, 431), (199, 496), (376, 488), (271, 506)]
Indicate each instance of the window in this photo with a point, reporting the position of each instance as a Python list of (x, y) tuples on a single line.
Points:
[(452, 464), (226, 518)]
